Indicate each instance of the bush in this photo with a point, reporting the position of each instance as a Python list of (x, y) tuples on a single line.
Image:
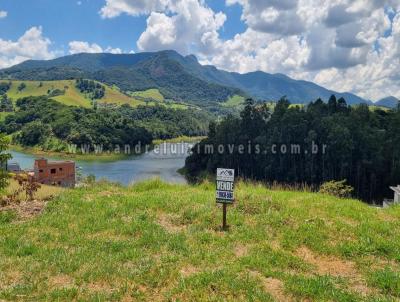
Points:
[(336, 188)]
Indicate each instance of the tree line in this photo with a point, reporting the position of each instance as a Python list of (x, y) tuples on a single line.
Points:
[(362, 146)]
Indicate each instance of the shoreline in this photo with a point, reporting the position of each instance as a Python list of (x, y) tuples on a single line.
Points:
[(104, 156), (64, 155)]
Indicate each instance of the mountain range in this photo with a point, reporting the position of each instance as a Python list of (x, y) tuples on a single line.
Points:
[(178, 77)]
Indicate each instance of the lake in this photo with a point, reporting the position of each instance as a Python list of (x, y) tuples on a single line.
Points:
[(163, 162)]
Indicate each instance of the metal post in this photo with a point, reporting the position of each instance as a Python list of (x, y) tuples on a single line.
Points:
[(224, 226)]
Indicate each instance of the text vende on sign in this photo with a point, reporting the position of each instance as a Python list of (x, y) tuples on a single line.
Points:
[(225, 185)]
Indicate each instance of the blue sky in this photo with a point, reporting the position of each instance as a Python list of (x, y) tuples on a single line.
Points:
[(68, 20), (344, 45)]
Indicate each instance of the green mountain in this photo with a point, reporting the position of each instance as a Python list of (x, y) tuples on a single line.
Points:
[(390, 102), (177, 77)]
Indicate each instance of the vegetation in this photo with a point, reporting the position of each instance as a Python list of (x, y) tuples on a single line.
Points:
[(95, 90), (26, 186), (4, 87), (45, 192), (4, 156), (336, 188), (40, 121), (288, 146), (150, 95), (66, 93), (21, 86), (155, 241), (6, 104)]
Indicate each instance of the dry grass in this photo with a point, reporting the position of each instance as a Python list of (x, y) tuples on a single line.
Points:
[(44, 193)]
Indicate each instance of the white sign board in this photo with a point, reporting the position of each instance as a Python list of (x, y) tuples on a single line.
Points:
[(225, 185)]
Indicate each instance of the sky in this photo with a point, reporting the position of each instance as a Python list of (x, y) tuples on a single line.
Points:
[(343, 45)]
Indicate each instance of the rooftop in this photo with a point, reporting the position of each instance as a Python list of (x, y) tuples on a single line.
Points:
[(56, 161)]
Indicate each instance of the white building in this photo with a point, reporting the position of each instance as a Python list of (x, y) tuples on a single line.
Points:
[(396, 194)]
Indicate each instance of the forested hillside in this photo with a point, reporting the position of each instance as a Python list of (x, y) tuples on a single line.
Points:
[(40, 121), (362, 146)]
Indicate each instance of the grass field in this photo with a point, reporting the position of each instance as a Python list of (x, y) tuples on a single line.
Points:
[(153, 94), (72, 96), (160, 242), (234, 101)]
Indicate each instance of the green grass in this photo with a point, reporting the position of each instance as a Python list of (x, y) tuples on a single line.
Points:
[(153, 94), (72, 96), (162, 242), (234, 101)]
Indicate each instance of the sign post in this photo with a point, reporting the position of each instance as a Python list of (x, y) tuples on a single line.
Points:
[(224, 194)]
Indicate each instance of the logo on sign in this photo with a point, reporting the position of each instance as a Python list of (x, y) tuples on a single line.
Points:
[(225, 174), (225, 180)]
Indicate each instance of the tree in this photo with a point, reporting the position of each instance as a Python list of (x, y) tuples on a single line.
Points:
[(21, 86), (4, 87), (6, 104), (4, 157), (332, 104), (362, 146), (34, 133)]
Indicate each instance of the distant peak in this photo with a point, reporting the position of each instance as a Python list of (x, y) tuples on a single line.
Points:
[(192, 58)]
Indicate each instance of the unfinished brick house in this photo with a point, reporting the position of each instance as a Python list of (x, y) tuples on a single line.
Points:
[(57, 173)]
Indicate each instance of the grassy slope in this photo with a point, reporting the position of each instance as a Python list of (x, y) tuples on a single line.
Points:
[(74, 98), (72, 95), (234, 101), (156, 241), (153, 94)]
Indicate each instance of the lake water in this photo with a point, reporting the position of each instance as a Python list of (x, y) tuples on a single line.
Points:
[(163, 162)]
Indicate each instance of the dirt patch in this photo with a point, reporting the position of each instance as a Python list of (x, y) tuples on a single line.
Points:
[(100, 287), (166, 221), (241, 250), (10, 279), (274, 287), (61, 281), (26, 210), (188, 271), (327, 265)]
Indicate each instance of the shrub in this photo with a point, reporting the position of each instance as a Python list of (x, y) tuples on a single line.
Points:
[(336, 188)]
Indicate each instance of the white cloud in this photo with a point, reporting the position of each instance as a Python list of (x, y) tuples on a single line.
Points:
[(114, 8), (113, 50), (346, 45), (3, 14), (182, 25), (76, 47), (31, 45), (83, 47)]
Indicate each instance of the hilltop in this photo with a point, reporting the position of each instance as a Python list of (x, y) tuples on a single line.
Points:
[(156, 241), (177, 77), (388, 102)]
